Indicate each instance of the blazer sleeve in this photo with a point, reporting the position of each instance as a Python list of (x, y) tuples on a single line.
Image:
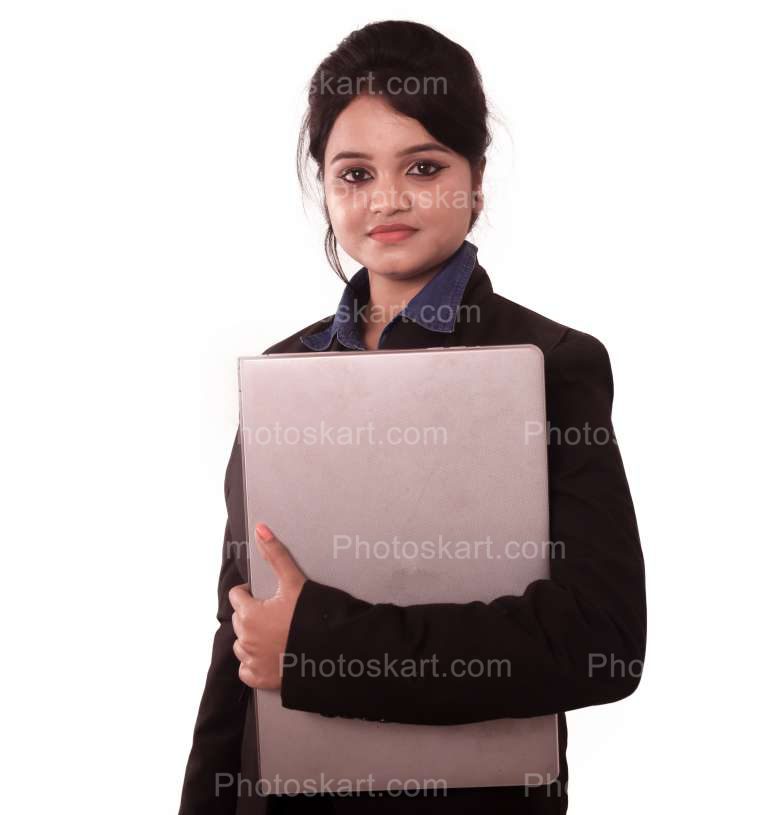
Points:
[(574, 640), (210, 781)]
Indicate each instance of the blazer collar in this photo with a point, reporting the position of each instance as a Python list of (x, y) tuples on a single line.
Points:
[(434, 307)]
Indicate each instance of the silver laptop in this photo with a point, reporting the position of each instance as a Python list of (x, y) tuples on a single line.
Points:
[(346, 455)]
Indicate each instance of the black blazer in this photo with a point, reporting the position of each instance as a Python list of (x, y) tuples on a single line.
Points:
[(578, 638)]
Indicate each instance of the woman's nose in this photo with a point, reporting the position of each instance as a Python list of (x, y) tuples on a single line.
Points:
[(390, 195)]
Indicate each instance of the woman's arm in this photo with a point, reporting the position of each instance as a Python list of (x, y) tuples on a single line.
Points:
[(210, 782), (575, 640)]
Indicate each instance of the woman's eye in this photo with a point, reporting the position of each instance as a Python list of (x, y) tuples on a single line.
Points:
[(435, 168), (425, 169), (353, 170)]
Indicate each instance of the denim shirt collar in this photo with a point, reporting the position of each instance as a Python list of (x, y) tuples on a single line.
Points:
[(434, 307)]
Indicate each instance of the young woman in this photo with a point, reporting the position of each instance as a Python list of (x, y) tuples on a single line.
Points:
[(397, 125)]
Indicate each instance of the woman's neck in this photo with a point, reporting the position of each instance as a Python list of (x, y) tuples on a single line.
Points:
[(388, 296)]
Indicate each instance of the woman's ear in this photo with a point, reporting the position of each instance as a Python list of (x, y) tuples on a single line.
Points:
[(477, 193)]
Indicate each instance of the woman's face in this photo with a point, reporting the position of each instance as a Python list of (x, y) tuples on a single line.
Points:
[(389, 181)]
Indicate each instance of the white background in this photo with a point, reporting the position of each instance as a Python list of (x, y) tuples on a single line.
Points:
[(152, 230)]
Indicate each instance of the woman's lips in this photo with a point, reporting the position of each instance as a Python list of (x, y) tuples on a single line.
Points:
[(392, 237)]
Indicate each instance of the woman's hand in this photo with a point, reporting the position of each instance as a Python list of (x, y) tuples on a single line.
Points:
[(262, 626)]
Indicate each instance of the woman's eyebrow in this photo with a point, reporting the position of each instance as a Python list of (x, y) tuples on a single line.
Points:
[(417, 148)]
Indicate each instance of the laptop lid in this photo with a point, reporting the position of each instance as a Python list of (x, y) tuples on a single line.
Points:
[(381, 471)]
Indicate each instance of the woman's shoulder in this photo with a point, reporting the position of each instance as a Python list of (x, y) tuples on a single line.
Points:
[(500, 321), (292, 343), (511, 322)]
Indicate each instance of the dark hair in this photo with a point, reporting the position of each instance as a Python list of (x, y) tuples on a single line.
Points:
[(389, 56)]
